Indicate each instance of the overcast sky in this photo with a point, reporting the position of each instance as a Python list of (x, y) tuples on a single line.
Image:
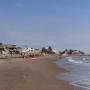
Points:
[(36, 23)]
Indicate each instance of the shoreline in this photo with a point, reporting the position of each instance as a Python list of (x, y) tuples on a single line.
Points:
[(39, 74)]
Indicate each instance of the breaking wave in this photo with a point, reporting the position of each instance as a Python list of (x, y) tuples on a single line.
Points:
[(78, 68)]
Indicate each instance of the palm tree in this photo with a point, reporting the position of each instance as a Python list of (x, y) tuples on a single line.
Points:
[(50, 50), (1, 43), (44, 50)]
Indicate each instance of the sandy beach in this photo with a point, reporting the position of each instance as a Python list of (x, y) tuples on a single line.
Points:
[(28, 74)]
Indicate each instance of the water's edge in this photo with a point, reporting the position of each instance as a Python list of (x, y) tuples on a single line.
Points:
[(78, 70)]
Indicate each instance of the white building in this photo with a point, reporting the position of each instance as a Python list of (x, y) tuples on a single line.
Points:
[(55, 51)]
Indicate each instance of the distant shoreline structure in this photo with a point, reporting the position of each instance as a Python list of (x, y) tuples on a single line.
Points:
[(11, 49)]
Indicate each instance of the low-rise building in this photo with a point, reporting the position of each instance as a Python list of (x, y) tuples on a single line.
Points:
[(7, 48), (30, 52), (55, 51), (76, 52)]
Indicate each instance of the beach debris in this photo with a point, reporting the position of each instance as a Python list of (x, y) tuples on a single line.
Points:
[(33, 58)]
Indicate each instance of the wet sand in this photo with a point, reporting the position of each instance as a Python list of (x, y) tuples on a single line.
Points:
[(27, 74)]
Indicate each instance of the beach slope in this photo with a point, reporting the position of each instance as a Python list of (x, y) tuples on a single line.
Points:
[(28, 74)]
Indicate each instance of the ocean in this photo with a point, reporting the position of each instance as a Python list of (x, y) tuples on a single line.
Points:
[(78, 71)]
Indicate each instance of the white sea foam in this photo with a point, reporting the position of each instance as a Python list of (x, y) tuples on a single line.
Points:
[(78, 67), (74, 61)]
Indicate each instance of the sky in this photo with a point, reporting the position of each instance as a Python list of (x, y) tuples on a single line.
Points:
[(36, 23)]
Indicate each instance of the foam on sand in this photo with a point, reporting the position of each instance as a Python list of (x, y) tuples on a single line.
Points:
[(78, 67)]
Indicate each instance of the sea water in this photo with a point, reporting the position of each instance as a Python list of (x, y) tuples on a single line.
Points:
[(78, 71)]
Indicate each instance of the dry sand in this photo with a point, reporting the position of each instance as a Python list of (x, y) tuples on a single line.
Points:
[(27, 74)]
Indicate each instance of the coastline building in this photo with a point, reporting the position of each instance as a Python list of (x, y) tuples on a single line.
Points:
[(55, 51), (76, 52), (31, 52), (6, 48)]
